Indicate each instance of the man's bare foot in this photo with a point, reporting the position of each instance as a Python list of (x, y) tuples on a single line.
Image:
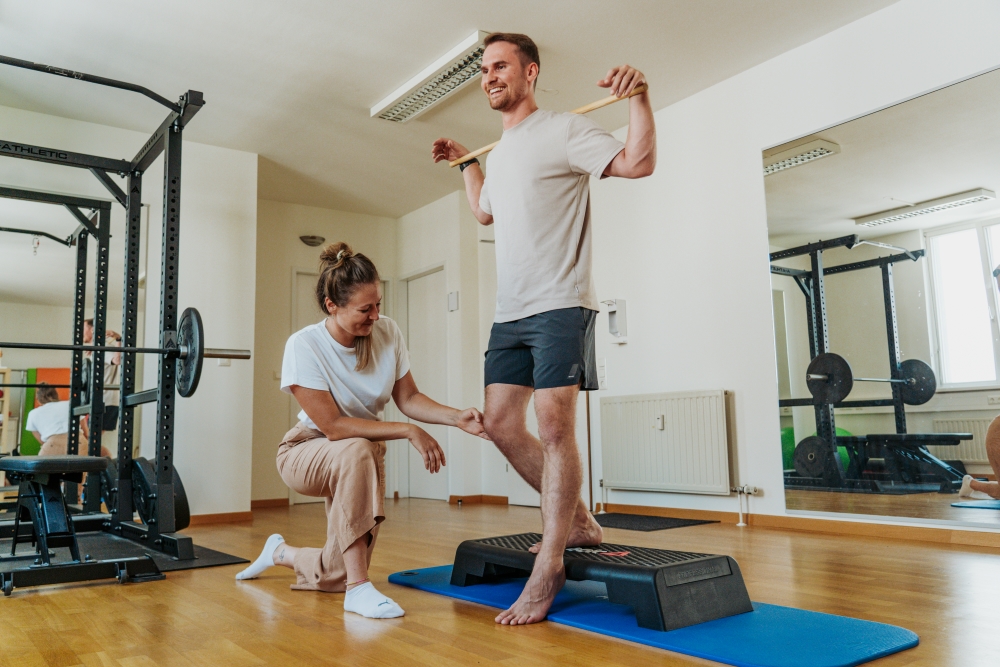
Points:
[(586, 532), (533, 604)]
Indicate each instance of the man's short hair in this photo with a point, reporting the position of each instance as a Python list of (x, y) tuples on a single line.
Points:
[(46, 393), (527, 47)]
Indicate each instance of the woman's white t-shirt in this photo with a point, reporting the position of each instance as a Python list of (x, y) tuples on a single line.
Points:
[(49, 419), (314, 360)]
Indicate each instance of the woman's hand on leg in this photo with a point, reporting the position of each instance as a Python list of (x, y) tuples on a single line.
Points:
[(471, 421), (428, 447)]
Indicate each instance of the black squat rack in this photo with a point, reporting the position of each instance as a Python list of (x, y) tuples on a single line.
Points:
[(150, 488), (877, 463)]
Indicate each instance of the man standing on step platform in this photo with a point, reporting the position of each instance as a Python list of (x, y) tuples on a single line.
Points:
[(538, 192)]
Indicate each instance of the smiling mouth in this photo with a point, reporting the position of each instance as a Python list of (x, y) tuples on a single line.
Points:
[(496, 90)]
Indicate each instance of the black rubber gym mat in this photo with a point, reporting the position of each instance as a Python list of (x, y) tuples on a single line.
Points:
[(102, 546), (643, 522)]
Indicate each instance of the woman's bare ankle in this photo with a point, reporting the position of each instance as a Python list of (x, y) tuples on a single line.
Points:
[(352, 584), (284, 555)]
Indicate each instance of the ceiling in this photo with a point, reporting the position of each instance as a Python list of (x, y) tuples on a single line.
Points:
[(936, 145), (293, 81)]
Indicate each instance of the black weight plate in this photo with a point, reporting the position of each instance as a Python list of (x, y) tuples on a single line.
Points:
[(109, 486), (182, 512), (920, 382), (838, 382), (143, 481), (812, 457), (191, 335)]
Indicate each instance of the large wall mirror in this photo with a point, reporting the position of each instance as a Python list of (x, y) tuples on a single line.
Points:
[(884, 237)]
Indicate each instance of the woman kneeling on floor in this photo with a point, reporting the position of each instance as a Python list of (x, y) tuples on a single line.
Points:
[(342, 371)]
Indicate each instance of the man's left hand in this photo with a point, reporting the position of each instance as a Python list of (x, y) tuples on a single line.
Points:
[(622, 80)]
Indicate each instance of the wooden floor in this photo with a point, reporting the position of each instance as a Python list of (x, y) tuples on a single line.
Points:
[(912, 505), (950, 596)]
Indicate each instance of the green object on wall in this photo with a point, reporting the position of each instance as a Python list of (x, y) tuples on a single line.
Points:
[(788, 447), (29, 446)]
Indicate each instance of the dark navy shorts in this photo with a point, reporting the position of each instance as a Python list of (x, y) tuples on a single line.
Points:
[(551, 349)]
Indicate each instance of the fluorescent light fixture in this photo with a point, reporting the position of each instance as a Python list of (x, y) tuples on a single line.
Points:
[(446, 75), (923, 208), (793, 157)]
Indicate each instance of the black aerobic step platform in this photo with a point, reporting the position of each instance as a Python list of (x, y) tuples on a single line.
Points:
[(667, 590)]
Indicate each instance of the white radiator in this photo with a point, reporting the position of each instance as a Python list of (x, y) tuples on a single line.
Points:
[(970, 451), (666, 442)]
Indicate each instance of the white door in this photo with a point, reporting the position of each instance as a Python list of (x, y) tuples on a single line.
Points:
[(427, 338), (305, 311), (520, 492)]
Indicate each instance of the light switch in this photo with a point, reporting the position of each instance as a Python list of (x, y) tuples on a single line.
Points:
[(225, 362), (452, 301), (602, 373)]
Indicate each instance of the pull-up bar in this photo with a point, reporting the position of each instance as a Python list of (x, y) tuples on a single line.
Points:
[(80, 76)]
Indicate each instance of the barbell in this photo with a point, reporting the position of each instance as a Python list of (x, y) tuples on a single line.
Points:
[(830, 380), (189, 350)]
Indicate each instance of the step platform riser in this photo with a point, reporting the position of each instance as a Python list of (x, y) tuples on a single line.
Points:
[(667, 590)]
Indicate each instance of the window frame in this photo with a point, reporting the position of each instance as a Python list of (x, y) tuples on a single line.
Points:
[(992, 299)]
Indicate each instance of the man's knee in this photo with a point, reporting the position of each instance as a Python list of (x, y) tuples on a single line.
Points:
[(557, 434), (502, 426)]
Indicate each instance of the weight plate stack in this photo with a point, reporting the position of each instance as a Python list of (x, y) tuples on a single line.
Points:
[(143, 481), (813, 458)]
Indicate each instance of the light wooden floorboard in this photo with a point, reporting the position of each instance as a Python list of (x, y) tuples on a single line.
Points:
[(912, 505), (950, 596)]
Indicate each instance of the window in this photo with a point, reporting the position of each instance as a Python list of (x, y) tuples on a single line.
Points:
[(965, 297)]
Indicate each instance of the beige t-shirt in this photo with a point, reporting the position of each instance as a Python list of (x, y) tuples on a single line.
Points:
[(538, 191)]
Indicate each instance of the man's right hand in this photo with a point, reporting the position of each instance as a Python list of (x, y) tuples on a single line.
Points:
[(448, 149), (428, 447)]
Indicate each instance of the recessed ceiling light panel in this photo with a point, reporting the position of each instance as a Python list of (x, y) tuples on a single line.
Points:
[(797, 155), (448, 74), (923, 208)]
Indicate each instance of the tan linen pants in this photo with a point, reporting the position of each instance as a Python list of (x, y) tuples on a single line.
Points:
[(350, 476)]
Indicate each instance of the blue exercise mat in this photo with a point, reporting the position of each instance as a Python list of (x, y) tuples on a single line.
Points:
[(769, 636), (979, 504)]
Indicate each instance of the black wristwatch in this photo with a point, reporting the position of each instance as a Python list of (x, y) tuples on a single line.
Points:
[(468, 163)]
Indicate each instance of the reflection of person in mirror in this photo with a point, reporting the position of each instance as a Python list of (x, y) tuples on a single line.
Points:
[(975, 489), (112, 377)]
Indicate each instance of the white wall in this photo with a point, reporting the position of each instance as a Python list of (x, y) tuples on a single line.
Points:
[(688, 246), (218, 222), (445, 233), (279, 227)]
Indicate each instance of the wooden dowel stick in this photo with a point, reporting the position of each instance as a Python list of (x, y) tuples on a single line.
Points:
[(610, 99)]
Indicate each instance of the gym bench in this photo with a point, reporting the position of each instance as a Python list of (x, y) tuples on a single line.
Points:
[(40, 499)]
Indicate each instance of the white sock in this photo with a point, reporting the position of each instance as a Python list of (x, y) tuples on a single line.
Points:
[(967, 492), (367, 601), (264, 560)]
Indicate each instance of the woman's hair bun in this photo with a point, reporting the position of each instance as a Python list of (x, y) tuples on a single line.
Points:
[(336, 253)]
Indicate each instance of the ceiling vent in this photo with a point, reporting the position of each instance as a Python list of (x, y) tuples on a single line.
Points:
[(923, 208), (793, 157), (446, 75)]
